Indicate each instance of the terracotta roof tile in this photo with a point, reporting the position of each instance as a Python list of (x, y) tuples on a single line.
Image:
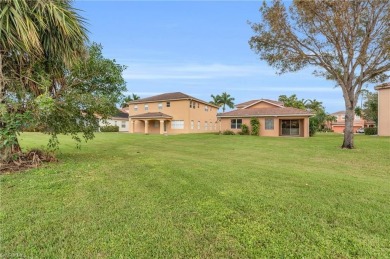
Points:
[(151, 115), (285, 111)]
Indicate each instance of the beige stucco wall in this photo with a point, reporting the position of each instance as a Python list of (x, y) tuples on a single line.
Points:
[(384, 112), (225, 124), (179, 110)]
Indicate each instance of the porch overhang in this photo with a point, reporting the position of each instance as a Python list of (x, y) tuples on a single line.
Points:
[(151, 116)]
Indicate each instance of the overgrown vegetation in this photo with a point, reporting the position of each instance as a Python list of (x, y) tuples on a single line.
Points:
[(371, 131), (228, 132), (51, 78), (255, 126), (109, 128), (244, 129)]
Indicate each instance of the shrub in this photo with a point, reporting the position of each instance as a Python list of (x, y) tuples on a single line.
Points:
[(244, 130), (370, 131), (109, 128), (313, 126), (255, 124), (228, 132)]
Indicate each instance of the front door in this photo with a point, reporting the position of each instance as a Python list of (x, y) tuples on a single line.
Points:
[(290, 127)]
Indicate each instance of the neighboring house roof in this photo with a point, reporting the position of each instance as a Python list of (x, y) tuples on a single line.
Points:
[(120, 115), (382, 86), (257, 112), (151, 115), (338, 113), (253, 102), (170, 97)]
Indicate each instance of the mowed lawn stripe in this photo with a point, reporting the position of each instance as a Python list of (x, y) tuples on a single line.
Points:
[(201, 195)]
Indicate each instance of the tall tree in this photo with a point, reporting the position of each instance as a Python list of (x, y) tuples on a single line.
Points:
[(128, 99), (226, 100), (216, 100), (48, 78), (347, 41), (369, 111)]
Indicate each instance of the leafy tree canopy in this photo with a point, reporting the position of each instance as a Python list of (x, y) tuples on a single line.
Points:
[(345, 41)]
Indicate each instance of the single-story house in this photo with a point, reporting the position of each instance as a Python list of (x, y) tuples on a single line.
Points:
[(276, 120)]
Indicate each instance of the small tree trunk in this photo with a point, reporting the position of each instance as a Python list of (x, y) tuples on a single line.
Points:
[(348, 132), (7, 152)]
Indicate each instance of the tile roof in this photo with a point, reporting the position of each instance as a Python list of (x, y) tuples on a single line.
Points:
[(244, 104), (338, 113), (285, 111), (170, 96), (121, 114), (382, 86), (152, 115)]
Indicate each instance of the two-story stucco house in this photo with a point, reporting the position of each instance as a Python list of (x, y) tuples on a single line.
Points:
[(275, 119), (172, 113), (339, 124), (383, 109)]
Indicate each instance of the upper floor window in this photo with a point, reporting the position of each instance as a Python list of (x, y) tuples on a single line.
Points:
[(206, 108), (160, 106), (168, 104), (146, 107), (135, 107), (235, 123)]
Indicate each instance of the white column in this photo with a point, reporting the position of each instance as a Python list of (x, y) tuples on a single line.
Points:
[(146, 127), (161, 126)]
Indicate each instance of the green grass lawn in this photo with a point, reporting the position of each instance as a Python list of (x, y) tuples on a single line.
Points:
[(201, 195)]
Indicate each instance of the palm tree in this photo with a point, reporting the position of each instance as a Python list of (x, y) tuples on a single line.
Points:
[(226, 99), (36, 38), (128, 99), (216, 100)]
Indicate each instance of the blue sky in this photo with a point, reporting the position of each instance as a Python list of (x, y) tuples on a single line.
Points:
[(196, 47)]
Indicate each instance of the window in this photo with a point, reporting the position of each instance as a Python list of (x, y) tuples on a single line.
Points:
[(146, 107), (198, 125), (205, 125), (116, 123), (192, 124), (236, 123), (190, 104), (206, 108), (269, 124), (135, 107), (168, 104), (160, 106), (177, 124), (211, 125), (123, 124)]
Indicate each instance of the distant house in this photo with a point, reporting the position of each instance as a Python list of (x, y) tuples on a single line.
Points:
[(383, 109), (120, 119), (172, 113), (275, 119), (338, 125)]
